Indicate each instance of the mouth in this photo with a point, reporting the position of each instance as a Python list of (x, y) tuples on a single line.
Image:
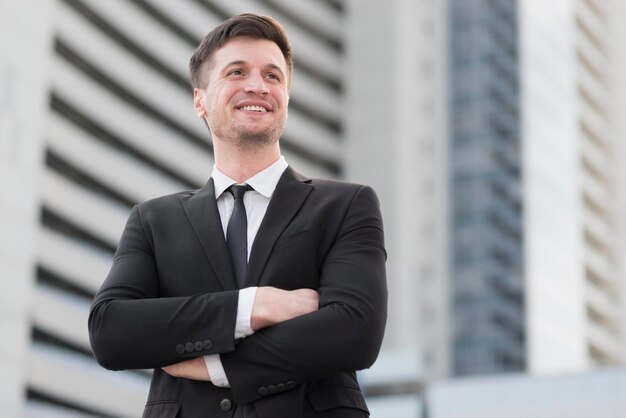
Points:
[(255, 108)]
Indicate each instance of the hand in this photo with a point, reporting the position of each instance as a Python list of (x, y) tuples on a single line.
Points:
[(189, 369), (273, 306)]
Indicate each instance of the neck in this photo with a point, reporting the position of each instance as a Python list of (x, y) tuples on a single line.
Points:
[(240, 163)]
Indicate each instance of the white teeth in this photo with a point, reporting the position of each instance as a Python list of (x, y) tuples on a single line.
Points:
[(254, 108)]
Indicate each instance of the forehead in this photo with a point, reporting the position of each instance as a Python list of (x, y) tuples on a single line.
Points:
[(261, 52)]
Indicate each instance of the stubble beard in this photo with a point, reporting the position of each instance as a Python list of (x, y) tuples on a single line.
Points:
[(244, 138)]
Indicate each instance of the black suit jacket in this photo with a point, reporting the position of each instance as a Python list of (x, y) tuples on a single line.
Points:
[(171, 295)]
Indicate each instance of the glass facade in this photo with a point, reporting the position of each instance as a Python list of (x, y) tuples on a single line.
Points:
[(487, 294)]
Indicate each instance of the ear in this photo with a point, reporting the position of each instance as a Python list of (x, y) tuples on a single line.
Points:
[(199, 102)]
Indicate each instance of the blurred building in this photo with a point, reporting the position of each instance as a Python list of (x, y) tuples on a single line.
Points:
[(97, 115), (535, 239), (394, 385), (396, 141), (574, 395), (514, 395), (573, 154), (501, 175), (487, 203), (597, 393), (491, 130)]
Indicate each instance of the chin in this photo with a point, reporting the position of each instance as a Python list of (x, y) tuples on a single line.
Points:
[(256, 139), (261, 137)]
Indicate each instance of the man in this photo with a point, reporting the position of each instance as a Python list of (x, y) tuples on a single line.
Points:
[(256, 300)]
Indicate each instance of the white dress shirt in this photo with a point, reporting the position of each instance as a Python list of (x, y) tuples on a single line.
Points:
[(256, 202)]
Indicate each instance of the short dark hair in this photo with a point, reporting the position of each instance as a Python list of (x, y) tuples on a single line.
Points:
[(246, 25)]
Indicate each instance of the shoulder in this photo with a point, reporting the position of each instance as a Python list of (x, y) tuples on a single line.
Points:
[(330, 187), (343, 188), (164, 205), (167, 200)]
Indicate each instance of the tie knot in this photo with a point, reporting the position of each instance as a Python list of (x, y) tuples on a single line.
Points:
[(238, 190)]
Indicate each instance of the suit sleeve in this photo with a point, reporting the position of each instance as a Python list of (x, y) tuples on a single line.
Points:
[(345, 334), (131, 327)]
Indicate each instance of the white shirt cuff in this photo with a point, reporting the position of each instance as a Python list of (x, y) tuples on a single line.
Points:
[(244, 312), (216, 370), (242, 330)]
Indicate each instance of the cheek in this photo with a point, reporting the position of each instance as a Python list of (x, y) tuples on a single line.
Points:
[(226, 97), (218, 94), (215, 106), (282, 99)]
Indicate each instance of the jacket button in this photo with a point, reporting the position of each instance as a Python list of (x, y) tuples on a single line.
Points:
[(271, 389), (226, 404), (180, 349), (198, 346), (208, 344), (280, 387), (262, 391), (189, 347), (290, 385)]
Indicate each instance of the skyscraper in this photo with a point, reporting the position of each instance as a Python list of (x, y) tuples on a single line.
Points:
[(487, 203), (535, 186), (97, 115), (500, 168), (396, 133)]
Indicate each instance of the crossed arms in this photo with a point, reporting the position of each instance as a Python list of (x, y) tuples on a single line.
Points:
[(271, 306), (301, 335)]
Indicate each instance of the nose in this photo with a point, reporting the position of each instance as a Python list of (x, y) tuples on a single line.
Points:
[(255, 84)]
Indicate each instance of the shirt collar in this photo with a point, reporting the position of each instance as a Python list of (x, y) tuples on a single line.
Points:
[(264, 181)]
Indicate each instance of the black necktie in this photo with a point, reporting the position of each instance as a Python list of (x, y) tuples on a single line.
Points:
[(237, 234)]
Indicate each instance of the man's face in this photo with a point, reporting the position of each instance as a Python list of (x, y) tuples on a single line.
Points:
[(246, 97)]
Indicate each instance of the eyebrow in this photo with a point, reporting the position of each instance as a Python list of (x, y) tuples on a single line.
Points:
[(242, 62)]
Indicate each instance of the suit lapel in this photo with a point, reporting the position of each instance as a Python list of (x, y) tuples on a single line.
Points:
[(291, 192), (201, 210)]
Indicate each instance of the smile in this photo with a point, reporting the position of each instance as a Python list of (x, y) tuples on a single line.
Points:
[(254, 108)]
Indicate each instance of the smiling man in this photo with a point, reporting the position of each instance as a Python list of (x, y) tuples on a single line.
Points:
[(262, 293)]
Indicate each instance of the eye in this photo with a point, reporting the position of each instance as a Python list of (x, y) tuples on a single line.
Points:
[(236, 72), (273, 76)]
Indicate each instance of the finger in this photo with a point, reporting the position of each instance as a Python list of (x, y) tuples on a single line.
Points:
[(169, 370)]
